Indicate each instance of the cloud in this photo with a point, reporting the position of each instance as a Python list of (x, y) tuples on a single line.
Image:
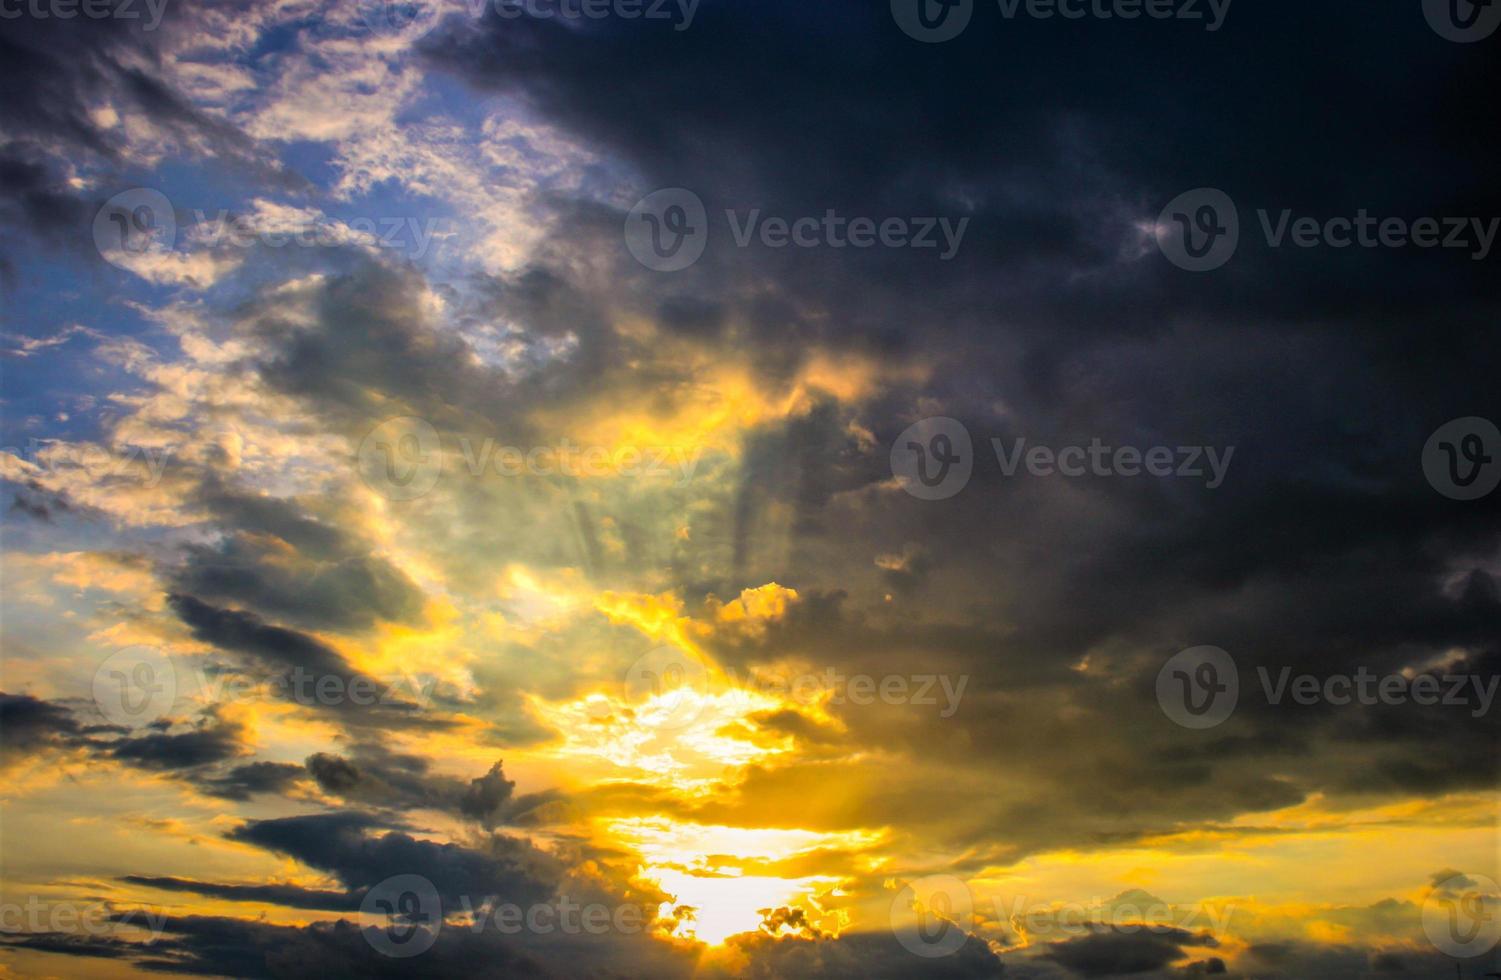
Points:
[(213, 739), (873, 955), (378, 777), (789, 374), (336, 843), (32, 725), (1116, 951), (287, 896), (243, 782)]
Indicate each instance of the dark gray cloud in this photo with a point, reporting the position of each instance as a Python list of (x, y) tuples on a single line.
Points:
[(223, 946), (71, 67), (375, 776), (34, 725), (211, 740), (246, 633), (251, 779), (344, 592), (302, 668), (337, 843), (1109, 952), (288, 896), (875, 955), (330, 581)]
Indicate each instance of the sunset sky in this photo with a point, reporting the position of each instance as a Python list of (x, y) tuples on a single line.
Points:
[(747, 468)]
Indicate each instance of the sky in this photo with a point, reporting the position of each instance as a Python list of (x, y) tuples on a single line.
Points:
[(749, 489)]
